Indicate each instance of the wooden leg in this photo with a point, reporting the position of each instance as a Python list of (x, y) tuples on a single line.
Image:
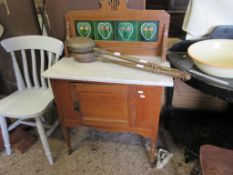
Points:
[(67, 138), (44, 140), (168, 104), (153, 152), (5, 135)]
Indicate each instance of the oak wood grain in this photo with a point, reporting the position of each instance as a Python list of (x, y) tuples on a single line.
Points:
[(123, 14), (109, 107)]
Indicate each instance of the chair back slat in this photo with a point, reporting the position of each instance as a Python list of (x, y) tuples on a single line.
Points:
[(49, 84), (25, 69), (50, 62), (19, 78), (42, 68), (50, 57), (32, 43), (34, 69), (57, 58)]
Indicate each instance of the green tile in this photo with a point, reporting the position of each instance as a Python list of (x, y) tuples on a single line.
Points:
[(104, 30), (126, 31), (84, 28), (148, 30)]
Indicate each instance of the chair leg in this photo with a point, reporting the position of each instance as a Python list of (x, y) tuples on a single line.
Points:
[(5, 135), (44, 140)]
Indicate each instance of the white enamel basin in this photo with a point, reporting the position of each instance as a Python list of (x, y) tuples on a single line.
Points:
[(214, 57)]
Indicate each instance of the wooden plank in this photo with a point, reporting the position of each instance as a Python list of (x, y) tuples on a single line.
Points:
[(20, 139), (25, 143), (187, 97)]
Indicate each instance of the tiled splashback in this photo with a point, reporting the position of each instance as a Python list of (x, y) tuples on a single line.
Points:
[(146, 31)]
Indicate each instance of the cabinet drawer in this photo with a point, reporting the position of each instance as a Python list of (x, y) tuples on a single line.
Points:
[(100, 88)]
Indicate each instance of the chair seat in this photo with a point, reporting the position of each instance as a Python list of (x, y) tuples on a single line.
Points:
[(26, 104)]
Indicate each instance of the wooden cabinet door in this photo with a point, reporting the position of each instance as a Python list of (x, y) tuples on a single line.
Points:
[(102, 104), (63, 98), (148, 104)]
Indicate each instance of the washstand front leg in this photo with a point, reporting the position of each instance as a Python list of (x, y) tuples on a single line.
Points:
[(153, 152), (67, 139)]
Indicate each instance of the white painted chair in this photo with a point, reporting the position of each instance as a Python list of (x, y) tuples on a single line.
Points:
[(34, 94)]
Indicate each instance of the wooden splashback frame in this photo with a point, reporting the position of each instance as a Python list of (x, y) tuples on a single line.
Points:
[(122, 13)]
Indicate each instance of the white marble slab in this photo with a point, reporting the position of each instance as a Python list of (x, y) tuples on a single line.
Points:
[(69, 69)]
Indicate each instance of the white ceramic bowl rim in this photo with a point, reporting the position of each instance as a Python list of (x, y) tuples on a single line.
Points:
[(198, 59)]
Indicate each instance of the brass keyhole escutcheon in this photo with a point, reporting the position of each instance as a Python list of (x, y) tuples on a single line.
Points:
[(77, 106)]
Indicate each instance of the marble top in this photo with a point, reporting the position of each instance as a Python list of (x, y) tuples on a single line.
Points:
[(69, 69)]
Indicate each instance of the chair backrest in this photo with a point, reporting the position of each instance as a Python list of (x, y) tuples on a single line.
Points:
[(50, 49), (1, 30)]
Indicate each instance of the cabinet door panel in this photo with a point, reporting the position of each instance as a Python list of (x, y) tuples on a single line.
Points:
[(148, 106), (102, 104), (63, 100)]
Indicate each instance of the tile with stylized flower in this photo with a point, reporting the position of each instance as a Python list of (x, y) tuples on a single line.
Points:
[(104, 30), (126, 31), (148, 31), (85, 29)]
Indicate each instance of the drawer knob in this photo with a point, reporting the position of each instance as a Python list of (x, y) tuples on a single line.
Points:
[(140, 92), (142, 96)]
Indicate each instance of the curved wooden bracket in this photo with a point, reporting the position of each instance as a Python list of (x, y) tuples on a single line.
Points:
[(105, 5), (122, 5), (111, 5)]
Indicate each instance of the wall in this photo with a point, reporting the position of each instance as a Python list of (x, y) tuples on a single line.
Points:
[(56, 12), (176, 8), (21, 21)]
